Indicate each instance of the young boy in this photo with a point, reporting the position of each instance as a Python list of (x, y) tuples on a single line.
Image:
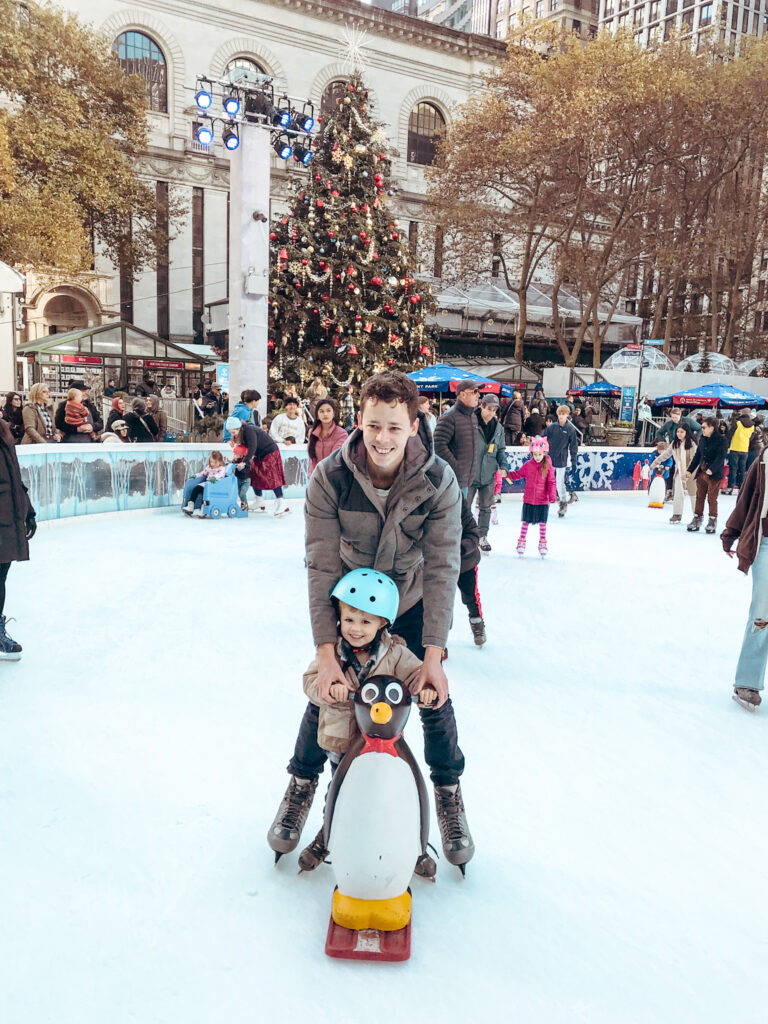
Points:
[(364, 648), (385, 501), (563, 439)]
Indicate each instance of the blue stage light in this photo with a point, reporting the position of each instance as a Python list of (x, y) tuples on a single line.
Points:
[(231, 138), (205, 134), (282, 147), (232, 105)]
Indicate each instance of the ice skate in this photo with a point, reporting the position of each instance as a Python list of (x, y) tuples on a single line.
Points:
[(189, 508), (495, 515), (257, 506), (561, 507), (280, 508), (748, 699), (454, 830), (521, 547), (695, 524), (285, 831), (485, 547), (244, 506), (675, 519), (314, 854), (543, 549), (9, 649), (197, 514), (478, 631), (728, 490), (711, 525), (572, 496)]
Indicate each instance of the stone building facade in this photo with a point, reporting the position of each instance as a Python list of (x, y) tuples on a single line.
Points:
[(417, 73)]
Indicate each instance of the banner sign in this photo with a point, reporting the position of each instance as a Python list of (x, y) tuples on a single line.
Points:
[(627, 404), (222, 376), (83, 360), (158, 364)]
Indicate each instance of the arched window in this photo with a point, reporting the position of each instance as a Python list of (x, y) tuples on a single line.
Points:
[(248, 63), (424, 125), (333, 92), (140, 55)]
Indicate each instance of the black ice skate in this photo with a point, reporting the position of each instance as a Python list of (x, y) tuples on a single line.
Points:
[(9, 649), (695, 524), (478, 631), (711, 525), (454, 830), (562, 506), (313, 854), (750, 700), (426, 867), (675, 519), (285, 831)]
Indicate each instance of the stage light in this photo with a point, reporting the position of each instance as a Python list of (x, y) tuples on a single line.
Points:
[(303, 122), (231, 137), (205, 133), (282, 147), (232, 104), (302, 154), (203, 94)]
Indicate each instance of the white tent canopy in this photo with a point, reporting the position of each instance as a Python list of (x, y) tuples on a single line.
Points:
[(10, 280)]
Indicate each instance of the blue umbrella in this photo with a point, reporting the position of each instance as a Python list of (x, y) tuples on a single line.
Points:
[(597, 389), (713, 395), (440, 376)]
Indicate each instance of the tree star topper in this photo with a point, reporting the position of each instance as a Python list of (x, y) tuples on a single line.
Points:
[(352, 49)]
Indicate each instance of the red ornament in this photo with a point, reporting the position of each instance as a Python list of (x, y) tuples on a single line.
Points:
[(390, 362), (358, 318), (424, 350), (283, 254), (351, 287), (320, 203), (376, 282), (273, 236), (336, 341), (414, 299), (337, 276), (382, 156), (284, 220), (325, 297), (335, 193), (374, 256), (270, 343), (331, 234), (318, 177), (353, 350), (395, 236), (305, 262), (354, 209)]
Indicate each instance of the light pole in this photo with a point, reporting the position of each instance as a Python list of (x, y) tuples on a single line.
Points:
[(253, 124)]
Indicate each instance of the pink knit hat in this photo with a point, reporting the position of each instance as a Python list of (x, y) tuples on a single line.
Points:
[(539, 444)]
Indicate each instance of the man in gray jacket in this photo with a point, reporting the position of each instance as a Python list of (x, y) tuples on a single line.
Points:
[(384, 501), (456, 434)]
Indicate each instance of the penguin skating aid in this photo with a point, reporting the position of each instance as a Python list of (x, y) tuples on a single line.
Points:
[(376, 826)]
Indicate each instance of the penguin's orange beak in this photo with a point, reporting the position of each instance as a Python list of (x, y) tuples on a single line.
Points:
[(381, 713)]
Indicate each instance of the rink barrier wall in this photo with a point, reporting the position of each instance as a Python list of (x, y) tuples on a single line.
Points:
[(82, 479)]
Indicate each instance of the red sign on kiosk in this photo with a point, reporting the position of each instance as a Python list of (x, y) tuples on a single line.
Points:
[(157, 364), (83, 360)]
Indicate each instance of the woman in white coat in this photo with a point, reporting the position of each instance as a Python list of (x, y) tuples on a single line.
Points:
[(682, 450)]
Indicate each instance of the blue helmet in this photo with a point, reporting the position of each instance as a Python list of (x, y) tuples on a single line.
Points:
[(369, 591)]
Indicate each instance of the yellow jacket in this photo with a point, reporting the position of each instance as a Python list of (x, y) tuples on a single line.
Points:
[(740, 438)]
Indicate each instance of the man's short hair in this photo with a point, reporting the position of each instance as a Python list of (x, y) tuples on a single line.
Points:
[(391, 386), (675, 408), (249, 395), (563, 408), (290, 400)]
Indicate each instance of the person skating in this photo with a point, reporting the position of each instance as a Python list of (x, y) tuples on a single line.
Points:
[(563, 439), (740, 431), (682, 451), (367, 604), (259, 464), (708, 466), (17, 528), (455, 436), (386, 501), (490, 457), (747, 527), (540, 492)]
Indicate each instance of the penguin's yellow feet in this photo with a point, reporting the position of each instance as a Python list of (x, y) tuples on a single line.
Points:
[(385, 915)]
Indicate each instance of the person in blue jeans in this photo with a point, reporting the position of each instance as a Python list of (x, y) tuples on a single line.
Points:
[(748, 527), (192, 497)]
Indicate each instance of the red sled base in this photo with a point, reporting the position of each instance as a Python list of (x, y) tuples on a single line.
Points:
[(368, 944)]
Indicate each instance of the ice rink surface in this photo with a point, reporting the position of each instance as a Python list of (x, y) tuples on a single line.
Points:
[(615, 792)]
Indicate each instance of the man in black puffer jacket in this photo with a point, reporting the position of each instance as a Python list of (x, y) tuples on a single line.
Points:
[(456, 434), (708, 467)]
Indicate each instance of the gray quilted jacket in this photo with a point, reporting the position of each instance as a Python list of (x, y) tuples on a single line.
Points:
[(416, 541)]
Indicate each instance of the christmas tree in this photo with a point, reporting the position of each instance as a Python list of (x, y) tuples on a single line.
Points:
[(344, 301)]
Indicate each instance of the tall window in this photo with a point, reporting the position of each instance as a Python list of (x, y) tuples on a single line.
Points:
[(140, 55), (424, 126), (163, 261), (333, 92), (198, 266)]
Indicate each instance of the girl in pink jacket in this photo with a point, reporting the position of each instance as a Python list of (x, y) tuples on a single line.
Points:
[(540, 491), (326, 436)]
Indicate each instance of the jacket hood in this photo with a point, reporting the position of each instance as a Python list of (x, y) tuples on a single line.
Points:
[(241, 410)]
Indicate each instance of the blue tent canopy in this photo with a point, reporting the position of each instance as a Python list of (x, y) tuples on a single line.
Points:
[(440, 376), (719, 395), (597, 389)]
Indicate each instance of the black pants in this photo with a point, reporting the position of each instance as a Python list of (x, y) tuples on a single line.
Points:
[(737, 467), (4, 567), (441, 742), (470, 593)]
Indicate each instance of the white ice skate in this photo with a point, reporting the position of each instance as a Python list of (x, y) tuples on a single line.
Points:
[(543, 548), (280, 508), (521, 548)]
